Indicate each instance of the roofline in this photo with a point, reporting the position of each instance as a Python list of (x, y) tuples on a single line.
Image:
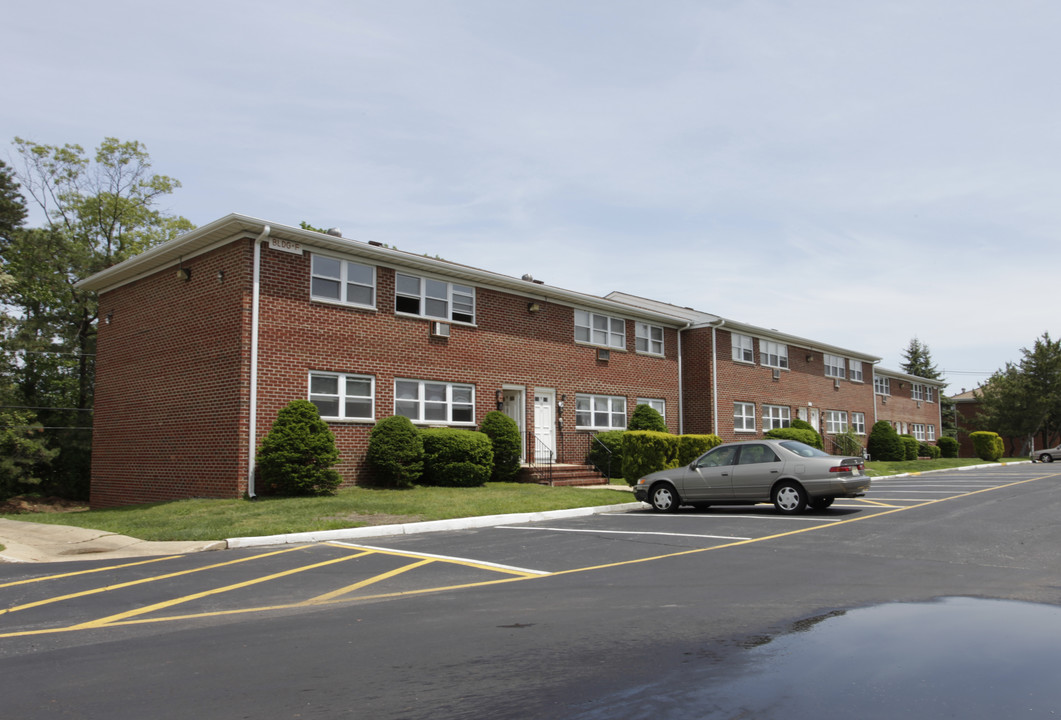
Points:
[(226, 229), (911, 378)]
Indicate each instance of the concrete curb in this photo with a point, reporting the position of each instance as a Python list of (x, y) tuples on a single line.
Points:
[(426, 527)]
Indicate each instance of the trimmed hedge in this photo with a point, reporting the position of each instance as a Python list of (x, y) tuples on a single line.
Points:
[(456, 458), (988, 445), (804, 425), (948, 446), (296, 456), (926, 450), (645, 451), (613, 441), (804, 435), (691, 447), (395, 452), (884, 443), (909, 447), (505, 441), (645, 417)]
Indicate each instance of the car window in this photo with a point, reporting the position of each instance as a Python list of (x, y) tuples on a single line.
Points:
[(718, 457), (754, 454), (802, 449)]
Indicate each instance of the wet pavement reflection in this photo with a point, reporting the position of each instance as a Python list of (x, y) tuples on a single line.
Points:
[(954, 657)]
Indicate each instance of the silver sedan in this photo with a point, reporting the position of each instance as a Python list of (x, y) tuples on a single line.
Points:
[(790, 474), (1047, 454)]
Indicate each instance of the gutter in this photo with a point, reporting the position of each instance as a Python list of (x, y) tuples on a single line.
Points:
[(714, 373), (255, 313), (681, 382)]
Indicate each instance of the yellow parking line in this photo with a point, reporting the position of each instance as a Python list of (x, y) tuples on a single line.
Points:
[(131, 583), (87, 572), (206, 593), (364, 583)]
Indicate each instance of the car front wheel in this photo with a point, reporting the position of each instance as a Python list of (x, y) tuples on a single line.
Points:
[(790, 498), (664, 498), (1046, 457)]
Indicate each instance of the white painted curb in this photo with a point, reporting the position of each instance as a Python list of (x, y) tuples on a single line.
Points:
[(425, 527)]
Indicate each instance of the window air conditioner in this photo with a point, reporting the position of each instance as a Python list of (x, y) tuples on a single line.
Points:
[(440, 329), (603, 354), (836, 383), (777, 373)]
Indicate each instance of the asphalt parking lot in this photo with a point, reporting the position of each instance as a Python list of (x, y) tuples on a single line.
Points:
[(60, 598)]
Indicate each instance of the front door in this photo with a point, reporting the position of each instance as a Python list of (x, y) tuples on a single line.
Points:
[(544, 425), (512, 405)]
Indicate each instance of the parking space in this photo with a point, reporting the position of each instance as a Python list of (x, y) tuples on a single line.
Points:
[(61, 598)]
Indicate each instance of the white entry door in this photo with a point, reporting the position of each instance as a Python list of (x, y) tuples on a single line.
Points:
[(810, 415), (544, 425), (512, 405)]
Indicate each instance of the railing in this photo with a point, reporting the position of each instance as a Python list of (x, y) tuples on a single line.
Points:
[(571, 448), (540, 457)]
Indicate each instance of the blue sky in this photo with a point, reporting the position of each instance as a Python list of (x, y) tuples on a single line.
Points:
[(855, 173)]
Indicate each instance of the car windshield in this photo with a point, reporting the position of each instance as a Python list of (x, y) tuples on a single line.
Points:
[(803, 449)]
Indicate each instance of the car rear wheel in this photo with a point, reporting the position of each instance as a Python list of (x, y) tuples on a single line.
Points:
[(820, 503), (1046, 457), (664, 498), (790, 498)]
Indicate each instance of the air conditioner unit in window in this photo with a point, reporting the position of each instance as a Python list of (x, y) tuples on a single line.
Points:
[(603, 354), (777, 373), (836, 383), (918, 404), (440, 329), (883, 399)]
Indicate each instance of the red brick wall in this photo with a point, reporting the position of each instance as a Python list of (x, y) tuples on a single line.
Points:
[(900, 407), (171, 384)]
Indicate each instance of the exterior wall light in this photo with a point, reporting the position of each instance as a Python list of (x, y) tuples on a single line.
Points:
[(533, 307)]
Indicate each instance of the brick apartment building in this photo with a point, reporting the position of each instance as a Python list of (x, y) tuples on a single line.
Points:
[(203, 339)]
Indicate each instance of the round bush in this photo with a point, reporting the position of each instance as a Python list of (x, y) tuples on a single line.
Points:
[(804, 425), (884, 443), (456, 458), (296, 456), (505, 440), (691, 447), (948, 446), (395, 452), (988, 445), (646, 417), (909, 447)]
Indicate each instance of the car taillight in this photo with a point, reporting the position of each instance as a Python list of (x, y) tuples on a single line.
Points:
[(846, 468)]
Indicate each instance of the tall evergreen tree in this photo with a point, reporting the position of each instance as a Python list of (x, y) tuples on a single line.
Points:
[(917, 360)]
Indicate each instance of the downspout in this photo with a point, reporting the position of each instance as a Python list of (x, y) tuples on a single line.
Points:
[(255, 304), (681, 382), (714, 374)]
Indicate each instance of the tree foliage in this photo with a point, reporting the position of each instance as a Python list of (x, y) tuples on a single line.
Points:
[(1023, 400), (917, 360), (97, 211)]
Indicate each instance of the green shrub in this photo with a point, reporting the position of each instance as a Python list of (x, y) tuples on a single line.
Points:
[(691, 447), (804, 435), (24, 453), (884, 443), (645, 451), (926, 450), (395, 452), (296, 456), (608, 464), (804, 425), (456, 458), (847, 443), (988, 445), (506, 443), (948, 446), (645, 417), (909, 447)]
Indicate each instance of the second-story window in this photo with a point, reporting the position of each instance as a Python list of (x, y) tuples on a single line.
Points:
[(773, 354), (342, 281), (742, 348), (834, 366), (434, 298), (882, 385), (649, 338), (600, 329), (855, 367)]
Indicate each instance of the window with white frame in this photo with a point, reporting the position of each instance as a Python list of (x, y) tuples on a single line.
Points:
[(930, 432), (835, 421), (656, 404), (917, 391), (649, 338), (342, 281), (434, 298), (742, 348), (918, 431), (855, 370), (776, 416), (600, 329), (773, 354), (930, 394), (882, 385), (858, 423), (834, 366), (426, 401), (744, 417), (607, 412), (341, 396)]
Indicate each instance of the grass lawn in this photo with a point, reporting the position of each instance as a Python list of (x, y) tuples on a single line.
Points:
[(881, 469), (349, 507)]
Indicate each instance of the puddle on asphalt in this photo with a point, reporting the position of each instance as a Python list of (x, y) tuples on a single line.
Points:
[(954, 657)]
